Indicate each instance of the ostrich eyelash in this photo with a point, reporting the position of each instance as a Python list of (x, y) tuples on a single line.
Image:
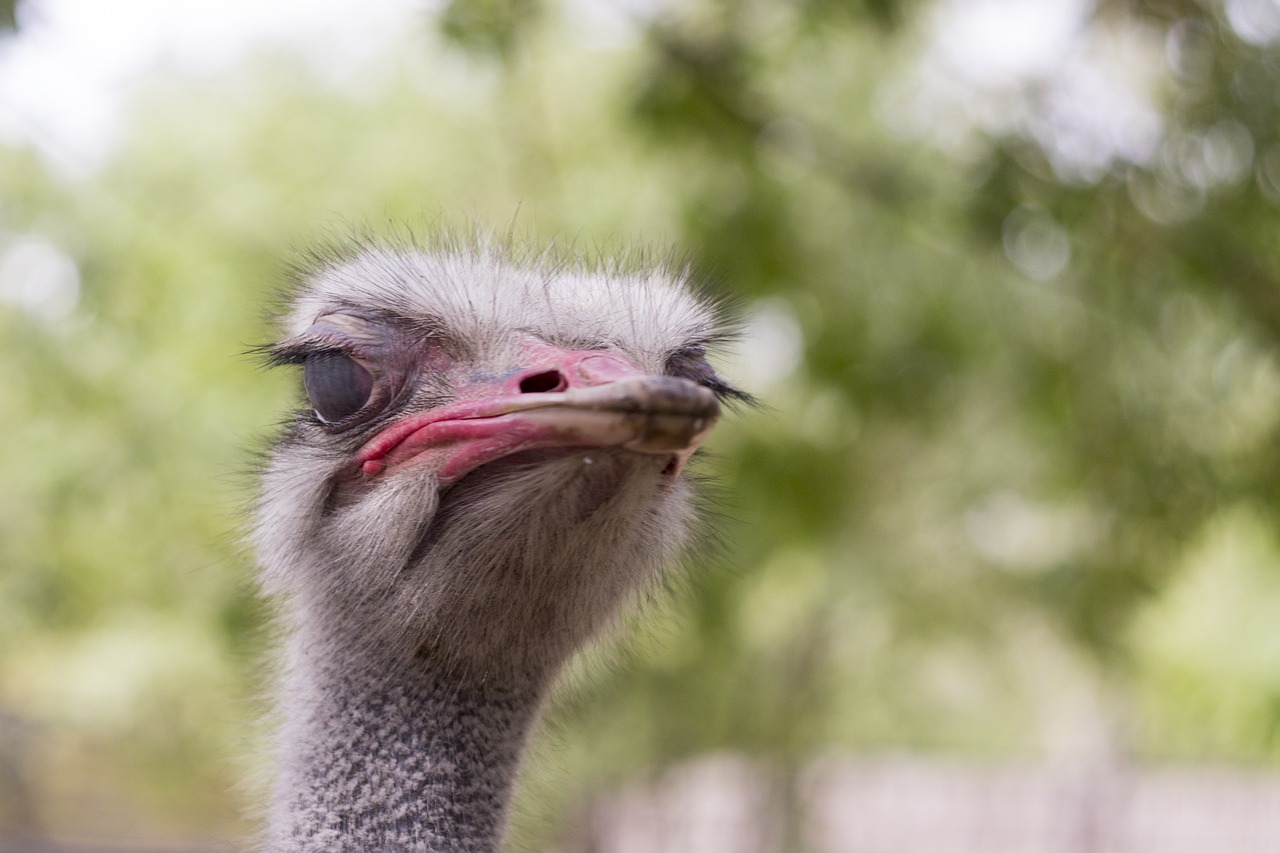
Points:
[(730, 394), (284, 355)]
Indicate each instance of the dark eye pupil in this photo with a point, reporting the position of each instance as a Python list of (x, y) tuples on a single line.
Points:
[(337, 386)]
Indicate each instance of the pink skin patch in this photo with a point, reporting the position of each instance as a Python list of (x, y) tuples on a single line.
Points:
[(570, 399)]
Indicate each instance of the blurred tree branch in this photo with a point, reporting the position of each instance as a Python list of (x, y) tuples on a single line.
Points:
[(9, 14)]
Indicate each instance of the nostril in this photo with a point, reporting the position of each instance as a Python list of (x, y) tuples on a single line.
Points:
[(541, 383)]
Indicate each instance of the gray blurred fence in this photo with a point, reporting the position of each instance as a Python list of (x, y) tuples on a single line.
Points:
[(33, 845), (729, 805)]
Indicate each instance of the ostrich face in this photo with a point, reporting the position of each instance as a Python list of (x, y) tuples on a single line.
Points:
[(492, 457)]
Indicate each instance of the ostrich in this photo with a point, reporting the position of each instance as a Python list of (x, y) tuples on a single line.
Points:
[(490, 465)]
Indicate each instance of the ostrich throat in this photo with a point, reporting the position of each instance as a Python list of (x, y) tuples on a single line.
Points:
[(391, 754)]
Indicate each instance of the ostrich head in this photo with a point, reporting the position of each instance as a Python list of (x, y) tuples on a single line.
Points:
[(492, 455)]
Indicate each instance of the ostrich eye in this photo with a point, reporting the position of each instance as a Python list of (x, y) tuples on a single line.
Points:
[(337, 386), (692, 364)]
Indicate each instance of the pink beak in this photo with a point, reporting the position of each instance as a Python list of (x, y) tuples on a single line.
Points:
[(571, 399)]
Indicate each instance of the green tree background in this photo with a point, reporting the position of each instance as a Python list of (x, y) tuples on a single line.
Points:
[(1013, 493)]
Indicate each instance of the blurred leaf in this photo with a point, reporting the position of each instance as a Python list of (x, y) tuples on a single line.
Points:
[(489, 26)]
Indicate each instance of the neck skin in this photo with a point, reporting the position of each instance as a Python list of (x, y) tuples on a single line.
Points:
[(386, 754)]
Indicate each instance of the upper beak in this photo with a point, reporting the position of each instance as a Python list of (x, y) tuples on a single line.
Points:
[(647, 414)]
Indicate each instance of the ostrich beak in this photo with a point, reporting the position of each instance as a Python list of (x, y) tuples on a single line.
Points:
[(601, 401)]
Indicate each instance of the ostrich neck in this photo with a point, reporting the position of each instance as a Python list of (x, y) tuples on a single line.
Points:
[(382, 755)]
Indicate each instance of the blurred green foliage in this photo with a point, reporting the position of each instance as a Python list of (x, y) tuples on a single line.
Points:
[(991, 508)]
